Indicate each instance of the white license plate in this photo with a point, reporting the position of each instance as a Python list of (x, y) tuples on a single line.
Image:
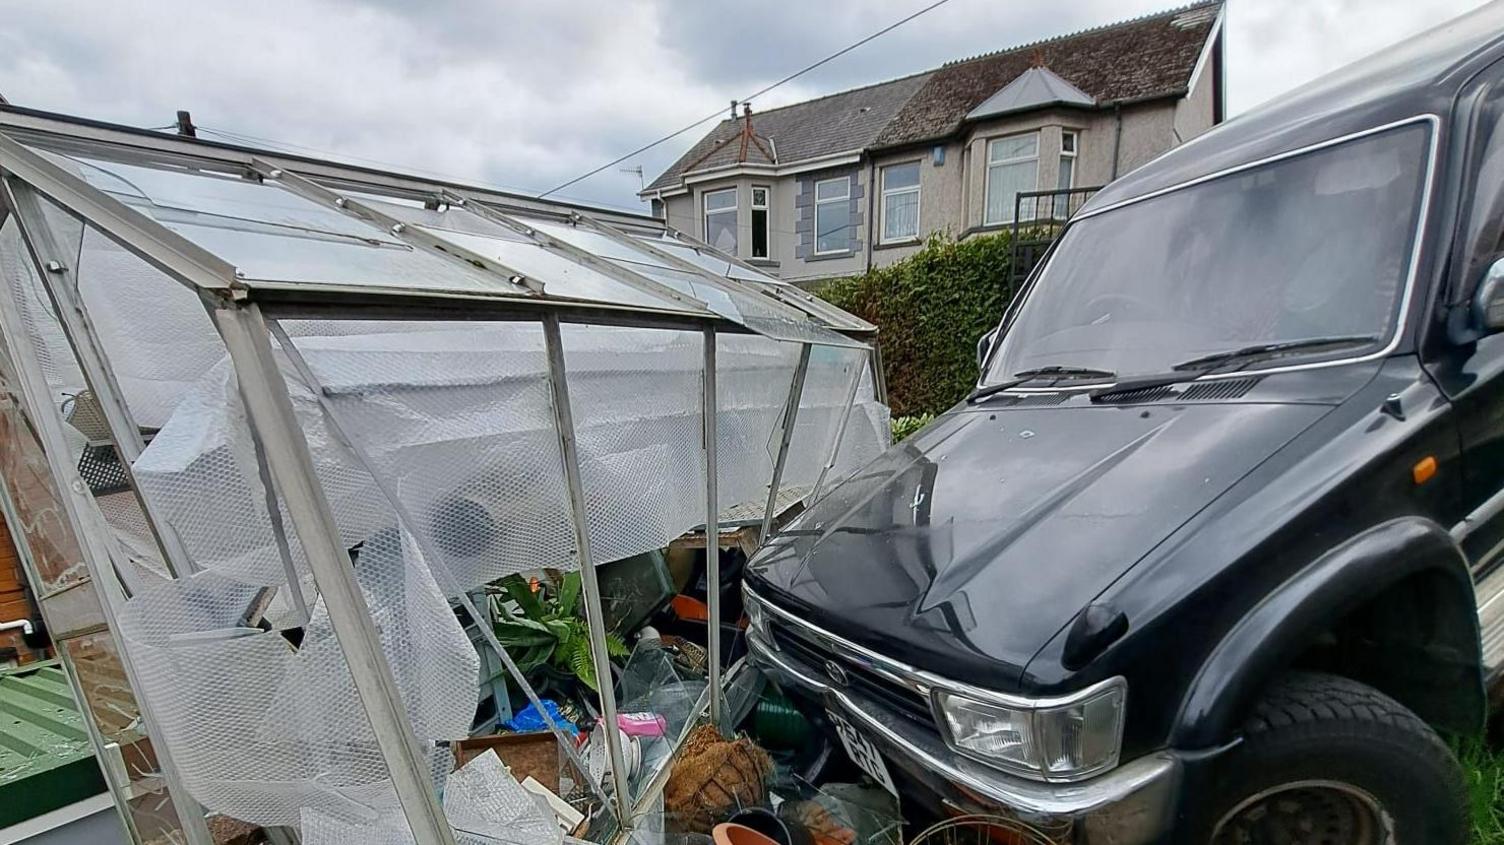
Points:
[(862, 752)]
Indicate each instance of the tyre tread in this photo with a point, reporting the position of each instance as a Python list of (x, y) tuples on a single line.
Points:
[(1309, 697), (1309, 707)]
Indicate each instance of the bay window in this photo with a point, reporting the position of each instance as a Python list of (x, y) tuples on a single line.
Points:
[(720, 220), (1012, 167), (760, 221), (1067, 179)]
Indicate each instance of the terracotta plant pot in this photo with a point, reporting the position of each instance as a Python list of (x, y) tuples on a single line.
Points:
[(737, 834)]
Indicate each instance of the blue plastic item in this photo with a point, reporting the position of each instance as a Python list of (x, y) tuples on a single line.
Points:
[(529, 720)]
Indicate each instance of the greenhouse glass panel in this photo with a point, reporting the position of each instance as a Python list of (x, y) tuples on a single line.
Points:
[(272, 235), (597, 243)]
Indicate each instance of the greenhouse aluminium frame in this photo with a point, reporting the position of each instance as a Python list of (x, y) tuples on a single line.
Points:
[(245, 313)]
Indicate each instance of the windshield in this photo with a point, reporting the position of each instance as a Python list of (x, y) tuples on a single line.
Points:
[(1313, 246)]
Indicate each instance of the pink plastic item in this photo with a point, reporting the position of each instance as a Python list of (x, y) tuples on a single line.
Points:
[(642, 724)]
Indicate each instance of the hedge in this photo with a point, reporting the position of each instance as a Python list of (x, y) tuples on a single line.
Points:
[(930, 309)]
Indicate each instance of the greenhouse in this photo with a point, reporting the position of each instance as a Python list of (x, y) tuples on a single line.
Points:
[(287, 435)]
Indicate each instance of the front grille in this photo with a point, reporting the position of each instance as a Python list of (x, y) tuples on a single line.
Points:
[(859, 679)]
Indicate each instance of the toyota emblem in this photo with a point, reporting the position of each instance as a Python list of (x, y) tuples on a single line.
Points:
[(836, 674)]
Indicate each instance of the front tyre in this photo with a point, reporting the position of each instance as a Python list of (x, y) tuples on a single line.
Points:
[(1329, 761)]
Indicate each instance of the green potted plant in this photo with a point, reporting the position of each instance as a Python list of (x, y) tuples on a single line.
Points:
[(546, 635)]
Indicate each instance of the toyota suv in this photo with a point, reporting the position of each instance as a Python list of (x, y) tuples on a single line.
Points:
[(1214, 552)]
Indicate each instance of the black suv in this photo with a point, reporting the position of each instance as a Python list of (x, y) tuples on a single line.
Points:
[(1207, 554)]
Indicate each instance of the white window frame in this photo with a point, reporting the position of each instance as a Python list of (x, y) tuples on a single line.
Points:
[(844, 199), (705, 213), (882, 211), (1072, 153), (767, 220), (988, 163)]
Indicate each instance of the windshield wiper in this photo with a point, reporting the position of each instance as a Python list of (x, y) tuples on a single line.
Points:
[(1249, 354), (1026, 376), (1218, 361), (1131, 385)]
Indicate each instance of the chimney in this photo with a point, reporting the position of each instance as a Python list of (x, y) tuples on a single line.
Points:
[(747, 137)]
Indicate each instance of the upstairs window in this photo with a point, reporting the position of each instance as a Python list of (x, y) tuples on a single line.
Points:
[(1067, 179), (759, 221), (900, 211), (1012, 167), (720, 220), (833, 216)]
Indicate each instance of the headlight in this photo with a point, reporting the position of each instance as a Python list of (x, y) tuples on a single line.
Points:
[(1065, 740), (757, 620)]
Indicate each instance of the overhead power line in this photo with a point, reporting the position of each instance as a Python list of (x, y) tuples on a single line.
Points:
[(718, 112)]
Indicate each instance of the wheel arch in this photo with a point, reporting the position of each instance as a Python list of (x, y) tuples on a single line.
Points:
[(1392, 607)]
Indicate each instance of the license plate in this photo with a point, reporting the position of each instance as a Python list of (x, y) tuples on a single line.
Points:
[(862, 752)]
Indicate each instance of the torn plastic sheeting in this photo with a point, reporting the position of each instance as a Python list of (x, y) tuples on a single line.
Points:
[(262, 729), (483, 803)]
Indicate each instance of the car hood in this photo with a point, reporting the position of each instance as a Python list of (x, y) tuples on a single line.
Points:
[(965, 549)]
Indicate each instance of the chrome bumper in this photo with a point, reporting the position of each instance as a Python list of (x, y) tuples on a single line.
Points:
[(1131, 805)]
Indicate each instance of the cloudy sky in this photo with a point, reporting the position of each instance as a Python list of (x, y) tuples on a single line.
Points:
[(525, 95)]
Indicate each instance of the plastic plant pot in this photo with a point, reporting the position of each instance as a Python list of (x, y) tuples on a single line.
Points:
[(736, 834)]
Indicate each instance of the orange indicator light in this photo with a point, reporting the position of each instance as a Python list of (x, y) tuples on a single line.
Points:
[(1423, 469)]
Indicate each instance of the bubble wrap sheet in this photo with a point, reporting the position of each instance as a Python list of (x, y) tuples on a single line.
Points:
[(482, 801), (457, 420)]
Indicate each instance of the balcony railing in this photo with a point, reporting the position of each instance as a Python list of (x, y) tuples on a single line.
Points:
[(1038, 218)]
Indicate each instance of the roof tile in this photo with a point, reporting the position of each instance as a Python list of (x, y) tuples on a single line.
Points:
[(837, 123), (1139, 59)]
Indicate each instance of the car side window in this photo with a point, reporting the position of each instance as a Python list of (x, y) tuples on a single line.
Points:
[(1481, 229)]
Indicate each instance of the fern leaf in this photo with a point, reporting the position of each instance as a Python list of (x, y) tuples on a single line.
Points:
[(616, 646), (582, 665)]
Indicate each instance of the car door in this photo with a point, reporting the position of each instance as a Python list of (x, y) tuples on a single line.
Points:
[(1467, 366)]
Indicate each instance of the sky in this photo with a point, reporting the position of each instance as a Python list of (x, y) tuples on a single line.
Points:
[(526, 95)]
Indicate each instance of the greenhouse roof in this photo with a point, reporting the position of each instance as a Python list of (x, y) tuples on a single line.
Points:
[(308, 237)]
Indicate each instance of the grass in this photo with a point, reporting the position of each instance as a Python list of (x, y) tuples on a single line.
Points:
[(1484, 766)]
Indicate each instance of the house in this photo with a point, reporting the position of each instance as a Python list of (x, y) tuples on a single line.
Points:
[(836, 185)]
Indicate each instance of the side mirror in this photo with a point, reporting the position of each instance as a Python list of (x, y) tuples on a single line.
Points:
[(1488, 303), (984, 345)]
